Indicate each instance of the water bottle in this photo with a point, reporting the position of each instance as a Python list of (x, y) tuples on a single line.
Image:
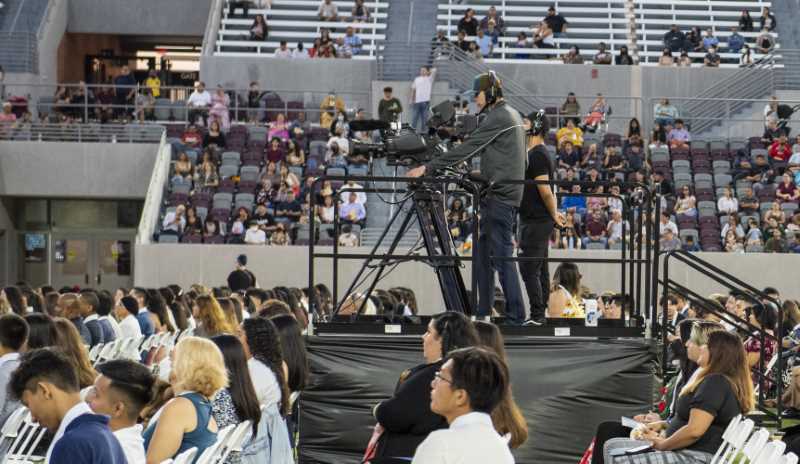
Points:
[(591, 312)]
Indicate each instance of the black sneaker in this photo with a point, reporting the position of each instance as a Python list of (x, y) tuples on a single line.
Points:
[(535, 321)]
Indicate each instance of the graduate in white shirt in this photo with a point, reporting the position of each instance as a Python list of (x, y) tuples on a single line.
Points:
[(121, 391), (471, 383), (126, 312)]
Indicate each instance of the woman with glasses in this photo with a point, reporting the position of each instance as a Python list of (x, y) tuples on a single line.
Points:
[(406, 419)]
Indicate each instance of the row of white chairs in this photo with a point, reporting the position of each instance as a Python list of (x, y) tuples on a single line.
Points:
[(132, 347), (230, 439), (740, 444)]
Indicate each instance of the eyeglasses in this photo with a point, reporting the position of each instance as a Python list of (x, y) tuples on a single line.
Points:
[(438, 376)]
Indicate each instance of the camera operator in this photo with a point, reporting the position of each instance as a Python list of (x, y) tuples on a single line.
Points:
[(500, 142), (537, 214)]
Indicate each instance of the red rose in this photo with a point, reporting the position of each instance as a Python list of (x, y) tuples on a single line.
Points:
[(663, 390), (662, 405)]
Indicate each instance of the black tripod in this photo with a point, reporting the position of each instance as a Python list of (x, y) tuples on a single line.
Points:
[(427, 208)]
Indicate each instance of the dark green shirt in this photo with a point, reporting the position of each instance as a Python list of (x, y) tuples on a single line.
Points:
[(389, 109)]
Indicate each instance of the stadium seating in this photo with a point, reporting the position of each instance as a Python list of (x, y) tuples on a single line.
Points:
[(296, 21)]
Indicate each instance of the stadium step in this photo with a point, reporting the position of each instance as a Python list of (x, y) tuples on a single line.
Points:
[(408, 21)]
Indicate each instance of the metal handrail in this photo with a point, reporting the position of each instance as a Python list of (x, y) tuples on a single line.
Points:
[(151, 210), (84, 133), (212, 27)]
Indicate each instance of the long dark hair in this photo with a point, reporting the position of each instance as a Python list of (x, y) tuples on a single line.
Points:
[(265, 346), (240, 385), (42, 331), (568, 276), (678, 348), (294, 350), (455, 330), (157, 306), (14, 297)]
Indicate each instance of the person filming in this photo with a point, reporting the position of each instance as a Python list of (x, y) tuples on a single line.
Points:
[(537, 214), (500, 142)]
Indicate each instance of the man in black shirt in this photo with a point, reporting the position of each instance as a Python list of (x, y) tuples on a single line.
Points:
[(468, 23), (462, 41), (537, 215), (674, 39), (389, 107), (241, 278), (556, 22)]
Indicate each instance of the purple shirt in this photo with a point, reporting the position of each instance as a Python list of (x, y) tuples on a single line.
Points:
[(345, 209), (679, 134)]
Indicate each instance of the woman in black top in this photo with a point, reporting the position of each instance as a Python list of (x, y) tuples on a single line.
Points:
[(406, 417), (745, 21), (468, 23), (720, 391), (214, 136)]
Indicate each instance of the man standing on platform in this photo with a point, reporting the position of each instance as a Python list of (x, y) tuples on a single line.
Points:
[(538, 215), (500, 142)]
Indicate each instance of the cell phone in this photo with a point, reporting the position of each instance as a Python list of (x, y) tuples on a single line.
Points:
[(639, 450)]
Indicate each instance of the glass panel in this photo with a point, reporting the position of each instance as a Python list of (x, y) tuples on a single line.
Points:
[(76, 257), (114, 257)]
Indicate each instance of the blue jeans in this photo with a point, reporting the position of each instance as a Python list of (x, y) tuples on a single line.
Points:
[(496, 226), (420, 112)]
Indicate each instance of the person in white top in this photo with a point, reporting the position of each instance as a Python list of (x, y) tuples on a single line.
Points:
[(471, 383), (421, 91), (283, 51), (121, 391), (261, 342), (300, 53), (199, 102), (126, 311), (254, 235), (344, 196), (727, 203)]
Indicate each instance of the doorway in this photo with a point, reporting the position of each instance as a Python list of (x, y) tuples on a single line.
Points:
[(100, 260)]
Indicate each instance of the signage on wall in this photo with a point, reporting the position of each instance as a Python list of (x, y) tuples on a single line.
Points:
[(59, 251), (35, 248)]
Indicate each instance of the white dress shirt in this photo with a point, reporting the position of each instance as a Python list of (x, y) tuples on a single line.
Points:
[(78, 410), (114, 326), (130, 327), (199, 99), (255, 237), (471, 439), (132, 443)]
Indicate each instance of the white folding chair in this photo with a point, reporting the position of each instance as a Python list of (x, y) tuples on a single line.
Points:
[(212, 454), (28, 437), (730, 430), (187, 457), (738, 438), (95, 351), (789, 458), (771, 453), (237, 439), (755, 445), (766, 373)]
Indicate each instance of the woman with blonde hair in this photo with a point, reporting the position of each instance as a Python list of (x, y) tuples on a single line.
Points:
[(211, 319), (506, 417), (71, 344), (721, 390), (198, 373)]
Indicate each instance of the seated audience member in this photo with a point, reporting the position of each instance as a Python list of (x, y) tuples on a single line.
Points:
[(570, 109), (126, 311), (236, 402), (70, 343), (669, 241), (47, 384), (283, 50), (721, 391), (596, 229), (735, 41), (72, 310), (348, 238), (468, 24), (555, 21), (570, 240), (570, 133), (568, 158), (262, 346), (665, 113), (765, 42), (543, 36), (469, 386), (199, 103), (748, 203), (597, 112), (13, 337), (674, 39), (174, 221), (573, 56), (712, 58), (780, 150), (255, 235), (406, 418), (328, 11), (684, 61), (565, 299), (121, 391), (690, 244), (352, 41), (666, 58), (492, 18), (614, 227), (602, 56), (613, 162), (198, 372), (727, 203), (624, 58), (259, 29), (280, 237), (686, 204), (775, 243), (89, 303), (215, 137), (360, 12), (787, 191), (288, 210), (679, 136), (210, 318), (352, 212), (763, 319), (709, 40)]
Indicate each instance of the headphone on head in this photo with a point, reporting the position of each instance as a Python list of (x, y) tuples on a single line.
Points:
[(494, 87), (539, 124)]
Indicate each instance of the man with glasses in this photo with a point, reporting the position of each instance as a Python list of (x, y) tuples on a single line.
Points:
[(471, 383), (199, 103)]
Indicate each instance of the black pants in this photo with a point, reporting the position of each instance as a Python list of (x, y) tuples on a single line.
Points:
[(605, 432), (534, 243), (237, 4)]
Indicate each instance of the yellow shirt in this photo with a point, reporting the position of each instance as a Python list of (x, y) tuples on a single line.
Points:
[(565, 134), (574, 306), (154, 84)]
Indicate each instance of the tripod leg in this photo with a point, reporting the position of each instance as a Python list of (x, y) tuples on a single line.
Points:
[(367, 261)]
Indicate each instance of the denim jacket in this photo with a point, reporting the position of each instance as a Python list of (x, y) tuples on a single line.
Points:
[(272, 442)]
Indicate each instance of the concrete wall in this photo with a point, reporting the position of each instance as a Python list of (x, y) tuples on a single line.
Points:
[(75, 170), (342, 76), (139, 17), (159, 265), (55, 25)]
